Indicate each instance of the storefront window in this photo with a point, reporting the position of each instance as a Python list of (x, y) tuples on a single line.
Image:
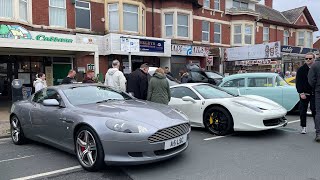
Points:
[(265, 34), (130, 17), (83, 15), (169, 25), (58, 13), (217, 33), (205, 31), (6, 8), (183, 25), (237, 34), (248, 34), (286, 38), (113, 17)]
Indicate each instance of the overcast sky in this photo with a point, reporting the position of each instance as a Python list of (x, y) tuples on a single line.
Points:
[(313, 7)]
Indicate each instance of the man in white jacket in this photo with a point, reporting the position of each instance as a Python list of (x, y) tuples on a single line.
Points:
[(115, 78)]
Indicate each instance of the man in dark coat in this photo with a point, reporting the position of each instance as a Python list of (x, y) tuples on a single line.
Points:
[(89, 77), (314, 81), (70, 78), (138, 82), (305, 91)]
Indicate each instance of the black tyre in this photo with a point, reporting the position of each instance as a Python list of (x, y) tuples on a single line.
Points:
[(88, 149), (17, 134), (218, 121)]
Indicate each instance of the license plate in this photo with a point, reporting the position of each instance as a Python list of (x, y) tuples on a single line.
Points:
[(175, 142)]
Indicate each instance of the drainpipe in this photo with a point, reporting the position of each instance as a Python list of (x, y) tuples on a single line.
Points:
[(152, 18)]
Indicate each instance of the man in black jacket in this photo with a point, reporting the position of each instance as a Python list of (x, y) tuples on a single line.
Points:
[(314, 81), (138, 82), (305, 91)]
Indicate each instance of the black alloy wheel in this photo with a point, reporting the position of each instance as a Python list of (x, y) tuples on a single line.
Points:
[(218, 121), (17, 134)]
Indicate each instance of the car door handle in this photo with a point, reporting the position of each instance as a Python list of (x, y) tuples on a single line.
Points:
[(65, 120)]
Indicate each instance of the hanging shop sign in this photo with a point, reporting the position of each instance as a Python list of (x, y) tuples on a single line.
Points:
[(307, 50), (90, 67), (254, 62), (290, 49), (147, 45), (259, 51), (188, 50)]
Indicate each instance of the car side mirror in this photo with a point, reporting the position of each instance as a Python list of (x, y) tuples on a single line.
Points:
[(188, 98), (50, 102)]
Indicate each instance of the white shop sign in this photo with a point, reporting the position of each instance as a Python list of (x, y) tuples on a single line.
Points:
[(188, 50), (129, 44), (259, 51)]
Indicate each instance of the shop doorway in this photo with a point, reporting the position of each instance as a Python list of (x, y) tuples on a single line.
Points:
[(7, 74), (60, 71)]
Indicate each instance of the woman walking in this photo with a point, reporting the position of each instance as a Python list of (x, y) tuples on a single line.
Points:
[(158, 89), (40, 82)]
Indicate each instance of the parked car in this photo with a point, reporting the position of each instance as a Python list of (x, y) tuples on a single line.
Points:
[(172, 81), (100, 125), (291, 81), (201, 76), (269, 85), (221, 112)]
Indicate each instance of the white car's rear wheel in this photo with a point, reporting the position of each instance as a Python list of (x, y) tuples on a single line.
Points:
[(218, 121)]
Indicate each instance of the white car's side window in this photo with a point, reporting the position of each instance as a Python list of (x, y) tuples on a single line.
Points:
[(180, 92)]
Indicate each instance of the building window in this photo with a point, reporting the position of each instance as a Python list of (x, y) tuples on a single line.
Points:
[(286, 38), (83, 15), (58, 13), (217, 4), (206, 3), (240, 4), (169, 25), (237, 34), (205, 31), (23, 10), (183, 25), (217, 33), (309, 40), (143, 21), (113, 12), (265, 34), (301, 38), (130, 18), (248, 34), (6, 8)]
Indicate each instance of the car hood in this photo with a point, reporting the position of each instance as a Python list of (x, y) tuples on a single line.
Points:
[(142, 112), (258, 101)]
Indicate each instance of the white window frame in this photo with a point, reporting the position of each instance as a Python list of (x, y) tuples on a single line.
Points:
[(301, 38), (245, 33), (286, 36), (309, 39), (76, 7), (219, 33), (27, 9), (206, 4), (118, 28), (169, 25), (12, 10), (266, 34), (184, 26), (216, 2), (65, 8), (237, 34), (240, 2), (143, 20), (137, 13), (206, 33), (175, 13)]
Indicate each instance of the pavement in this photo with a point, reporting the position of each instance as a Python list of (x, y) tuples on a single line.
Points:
[(282, 153), (4, 119)]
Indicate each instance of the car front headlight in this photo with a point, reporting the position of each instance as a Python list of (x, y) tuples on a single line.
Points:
[(125, 126), (257, 109)]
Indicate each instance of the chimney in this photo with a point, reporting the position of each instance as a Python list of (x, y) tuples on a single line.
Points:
[(268, 3)]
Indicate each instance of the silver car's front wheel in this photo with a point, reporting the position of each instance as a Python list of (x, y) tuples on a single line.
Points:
[(89, 150), (16, 131)]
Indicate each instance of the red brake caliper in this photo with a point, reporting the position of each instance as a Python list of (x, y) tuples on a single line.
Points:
[(82, 148)]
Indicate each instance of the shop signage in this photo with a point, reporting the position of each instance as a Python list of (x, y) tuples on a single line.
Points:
[(129, 44), (147, 45), (188, 50), (90, 67), (259, 51), (42, 37), (290, 49), (253, 62), (307, 50), (210, 61)]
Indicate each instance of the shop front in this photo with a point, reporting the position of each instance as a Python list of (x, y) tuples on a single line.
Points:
[(132, 51), (185, 54), (25, 53)]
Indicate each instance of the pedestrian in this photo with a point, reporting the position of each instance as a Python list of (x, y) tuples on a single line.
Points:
[(40, 82), (167, 71), (138, 82), (293, 74), (305, 92), (278, 71), (184, 76), (159, 89), (242, 70), (89, 77), (287, 75), (115, 78), (70, 78), (314, 81)]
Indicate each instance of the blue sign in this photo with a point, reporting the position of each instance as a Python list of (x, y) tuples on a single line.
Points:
[(307, 50), (147, 45), (291, 49)]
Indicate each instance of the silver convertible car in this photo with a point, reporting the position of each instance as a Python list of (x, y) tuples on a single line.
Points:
[(100, 125)]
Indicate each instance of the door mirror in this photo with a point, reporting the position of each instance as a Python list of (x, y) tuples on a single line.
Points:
[(188, 98), (51, 102)]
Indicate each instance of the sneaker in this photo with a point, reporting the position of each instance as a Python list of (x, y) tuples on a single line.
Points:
[(317, 139), (304, 130)]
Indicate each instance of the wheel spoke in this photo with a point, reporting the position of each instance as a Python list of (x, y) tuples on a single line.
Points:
[(86, 137), (90, 159), (83, 154), (14, 124), (81, 143), (92, 147)]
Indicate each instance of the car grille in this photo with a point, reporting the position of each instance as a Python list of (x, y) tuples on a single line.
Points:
[(274, 122), (169, 133)]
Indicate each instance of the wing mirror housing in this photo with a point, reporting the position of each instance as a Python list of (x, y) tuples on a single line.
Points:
[(188, 98), (51, 102)]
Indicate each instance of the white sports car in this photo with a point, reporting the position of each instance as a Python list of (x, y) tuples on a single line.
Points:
[(221, 112)]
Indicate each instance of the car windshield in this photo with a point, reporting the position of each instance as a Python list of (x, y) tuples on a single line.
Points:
[(93, 94), (208, 91), (213, 75)]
